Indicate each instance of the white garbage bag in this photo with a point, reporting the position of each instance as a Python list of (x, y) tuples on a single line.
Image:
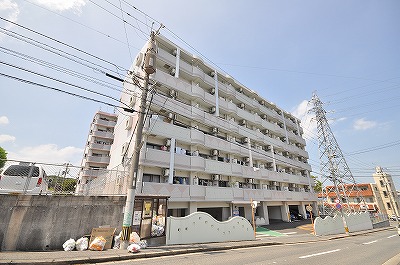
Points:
[(133, 248), (82, 243), (69, 245)]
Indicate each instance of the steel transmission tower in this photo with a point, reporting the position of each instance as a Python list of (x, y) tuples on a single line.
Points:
[(340, 192)]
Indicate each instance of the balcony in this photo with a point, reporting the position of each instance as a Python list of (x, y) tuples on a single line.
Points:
[(166, 57), (179, 84), (102, 147), (102, 134), (105, 123), (178, 192), (98, 159)]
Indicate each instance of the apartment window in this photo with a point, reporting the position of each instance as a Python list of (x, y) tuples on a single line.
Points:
[(151, 178), (381, 182), (385, 194), (388, 205)]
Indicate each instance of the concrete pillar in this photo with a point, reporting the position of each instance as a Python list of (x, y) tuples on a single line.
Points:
[(178, 56), (216, 94), (171, 161), (264, 210), (285, 212), (192, 207), (302, 210)]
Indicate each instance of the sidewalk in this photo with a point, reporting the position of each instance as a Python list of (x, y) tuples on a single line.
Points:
[(81, 257)]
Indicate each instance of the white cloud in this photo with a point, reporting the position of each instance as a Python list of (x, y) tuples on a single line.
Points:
[(6, 138), (62, 5), (4, 120), (10, 10), (362, 124), (302, 112), (48, 153)]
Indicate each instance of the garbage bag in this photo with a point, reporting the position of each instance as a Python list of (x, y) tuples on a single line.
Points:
[(134, 238), (82, 243), (133, 248), (69, 245), (98, 243), (142, 244)]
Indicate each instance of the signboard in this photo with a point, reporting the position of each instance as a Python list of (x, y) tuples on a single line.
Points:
[(338, 206), (235, 212), (147, 209), (107, 233), (137, 215), (309, 208)]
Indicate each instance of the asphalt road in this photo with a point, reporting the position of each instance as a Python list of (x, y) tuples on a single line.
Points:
[(375, 248)]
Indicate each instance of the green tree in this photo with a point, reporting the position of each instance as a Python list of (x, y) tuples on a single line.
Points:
[(317, 184), (3, 157)]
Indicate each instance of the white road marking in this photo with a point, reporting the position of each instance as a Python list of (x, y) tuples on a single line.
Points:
[(370, 242), (391, 236), (321, 253)]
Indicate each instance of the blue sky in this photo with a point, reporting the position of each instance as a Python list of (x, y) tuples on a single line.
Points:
[(346, 51)]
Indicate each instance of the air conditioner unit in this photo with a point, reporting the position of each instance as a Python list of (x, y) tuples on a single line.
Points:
[(264, 116), (245, 140), (247, 159), (212, 91), (172, 116), (234, 160), (175, 52), (173, 71), (168, 142), (291, 185), (274, 183), (212, 74), (215, 177), (286, 188), (262, 102), (165, 172), (282, 170), (265, 131), (240, 90), (243, 122), (241, 105), (214, 152), (264, 186), (212, 110), (250, 180)]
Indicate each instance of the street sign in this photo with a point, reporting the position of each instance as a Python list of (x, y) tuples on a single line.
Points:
[(337, 201), (338, 206), (309, 208)]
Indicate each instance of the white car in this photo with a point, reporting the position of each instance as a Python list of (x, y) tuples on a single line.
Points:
[(23, 178)]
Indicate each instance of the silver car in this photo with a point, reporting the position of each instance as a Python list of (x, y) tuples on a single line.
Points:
[(23, 178)]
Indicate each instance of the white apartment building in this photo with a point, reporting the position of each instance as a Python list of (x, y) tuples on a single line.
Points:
[(97, 150), (384, 185), (212, 144)]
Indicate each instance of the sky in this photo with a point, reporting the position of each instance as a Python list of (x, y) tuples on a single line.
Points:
[(347, 52)]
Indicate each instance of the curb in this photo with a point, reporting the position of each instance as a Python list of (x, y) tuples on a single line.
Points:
[(140, 255)]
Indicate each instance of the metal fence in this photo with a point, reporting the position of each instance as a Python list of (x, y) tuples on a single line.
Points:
[(26, 177)]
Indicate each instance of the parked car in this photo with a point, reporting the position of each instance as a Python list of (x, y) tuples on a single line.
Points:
[(295, 216), (393, 217), (23, 178)]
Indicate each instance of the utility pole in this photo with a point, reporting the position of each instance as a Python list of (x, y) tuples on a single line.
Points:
[(149, 67)]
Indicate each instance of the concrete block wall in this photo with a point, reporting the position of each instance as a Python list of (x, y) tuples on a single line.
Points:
[(34, 222)]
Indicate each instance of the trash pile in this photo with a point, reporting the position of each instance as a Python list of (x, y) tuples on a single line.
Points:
[(98, 242)]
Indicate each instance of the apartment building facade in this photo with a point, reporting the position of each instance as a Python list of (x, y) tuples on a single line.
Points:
[(384, 185), (96, 155), (212, 144), (353, 197)]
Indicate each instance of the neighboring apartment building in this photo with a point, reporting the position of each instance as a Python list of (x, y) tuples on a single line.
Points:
[(97, 150), (387, 190), (353, 200), (212, 144)]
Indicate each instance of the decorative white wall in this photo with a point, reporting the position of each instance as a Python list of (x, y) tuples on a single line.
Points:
[(334, 225), (200, 227)]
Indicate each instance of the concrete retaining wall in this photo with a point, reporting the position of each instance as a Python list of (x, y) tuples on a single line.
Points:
[(45, 222), (200, 227), (334, 225)]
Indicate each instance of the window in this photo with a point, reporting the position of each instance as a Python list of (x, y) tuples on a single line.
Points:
[(151, 178), (388, 205), (385, 194), (381, 182)]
